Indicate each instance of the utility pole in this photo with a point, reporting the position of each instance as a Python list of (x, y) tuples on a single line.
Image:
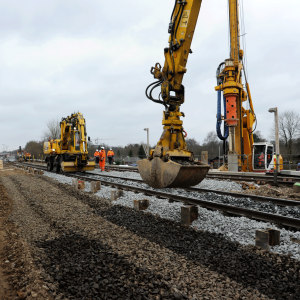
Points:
[(275, 111), (147, 129)]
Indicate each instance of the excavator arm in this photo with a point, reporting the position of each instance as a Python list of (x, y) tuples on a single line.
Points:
[(171, 164), (181, 29)]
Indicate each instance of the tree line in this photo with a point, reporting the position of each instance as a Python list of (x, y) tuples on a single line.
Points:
[(289, 134)]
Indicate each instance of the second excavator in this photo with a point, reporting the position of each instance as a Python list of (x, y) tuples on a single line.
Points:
[(69, 153), (171, 164)]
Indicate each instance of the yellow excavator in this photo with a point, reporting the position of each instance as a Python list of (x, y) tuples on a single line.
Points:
[(23, 155), (69, 153), (171, 164)]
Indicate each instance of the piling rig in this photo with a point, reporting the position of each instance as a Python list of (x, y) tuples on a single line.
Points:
[(240, 122)]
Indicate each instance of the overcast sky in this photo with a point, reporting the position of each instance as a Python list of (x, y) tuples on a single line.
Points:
[(61, 56)]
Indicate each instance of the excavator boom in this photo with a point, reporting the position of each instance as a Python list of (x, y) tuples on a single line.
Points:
[(171, 164)]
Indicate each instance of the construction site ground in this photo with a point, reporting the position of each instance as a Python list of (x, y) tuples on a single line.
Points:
[(268, 190), (61, 243)]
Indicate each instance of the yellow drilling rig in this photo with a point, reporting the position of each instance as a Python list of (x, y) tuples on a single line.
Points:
[(171, 164), (69, 153), (240, 122)]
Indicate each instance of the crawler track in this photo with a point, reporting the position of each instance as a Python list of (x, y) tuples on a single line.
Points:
[(258, 215)]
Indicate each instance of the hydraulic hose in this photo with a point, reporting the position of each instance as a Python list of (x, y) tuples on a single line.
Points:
[(219, 118)]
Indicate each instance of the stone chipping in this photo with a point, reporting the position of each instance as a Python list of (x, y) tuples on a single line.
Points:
[(85, 248), (239, 229)]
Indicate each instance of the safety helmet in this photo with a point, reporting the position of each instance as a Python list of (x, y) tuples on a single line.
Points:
[(110, 149), (102, 148), (97, 150)]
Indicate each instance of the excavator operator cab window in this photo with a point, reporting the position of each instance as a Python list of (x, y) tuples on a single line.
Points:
[(269, 155), (77, 140), (259, 157)]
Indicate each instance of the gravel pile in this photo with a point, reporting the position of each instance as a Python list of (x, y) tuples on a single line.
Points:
[(239, 229)]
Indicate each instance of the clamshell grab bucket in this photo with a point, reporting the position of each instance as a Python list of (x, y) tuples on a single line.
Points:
[(159, 174)]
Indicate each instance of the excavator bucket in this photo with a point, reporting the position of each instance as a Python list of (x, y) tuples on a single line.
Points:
[(68, 166), (159, 174)]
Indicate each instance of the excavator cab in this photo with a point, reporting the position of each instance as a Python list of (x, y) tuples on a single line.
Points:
[(263, 154)]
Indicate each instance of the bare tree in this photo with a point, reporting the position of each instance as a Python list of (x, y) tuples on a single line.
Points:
[(193, 145), (211, 144), (258, 137), (289, 129), (52, 130)]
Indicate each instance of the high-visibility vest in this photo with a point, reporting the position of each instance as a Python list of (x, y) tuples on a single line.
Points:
[(96, 153), (261, 157), (110, 153)]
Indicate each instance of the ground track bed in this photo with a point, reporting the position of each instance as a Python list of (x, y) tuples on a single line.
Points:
[(83, 247)]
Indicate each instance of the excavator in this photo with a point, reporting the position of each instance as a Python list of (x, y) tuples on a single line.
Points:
[(69, 153), (240, 123), (23, 155), (171, 164)]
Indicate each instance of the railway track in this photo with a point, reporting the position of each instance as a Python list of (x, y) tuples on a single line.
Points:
[(239, 211), (277, 201), (260, 179)]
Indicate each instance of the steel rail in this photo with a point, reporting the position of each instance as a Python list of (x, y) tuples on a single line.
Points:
[(289, 181), (254, 214), (265, 178), (277, 201)]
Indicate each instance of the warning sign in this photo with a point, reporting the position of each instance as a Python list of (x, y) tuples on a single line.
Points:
[(184, 18)]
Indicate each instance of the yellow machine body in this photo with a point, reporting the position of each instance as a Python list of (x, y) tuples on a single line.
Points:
[(69, 153), (23, 155), (171, 164), (239, 119)]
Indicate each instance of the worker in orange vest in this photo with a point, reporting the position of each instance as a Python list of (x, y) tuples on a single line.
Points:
[(261, 160), (110, 156), (96, 155), (102, 159)]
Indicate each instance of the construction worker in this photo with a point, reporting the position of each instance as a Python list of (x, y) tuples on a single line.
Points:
[(110, 156), (96, 155), (102, 159), (261, 160)]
